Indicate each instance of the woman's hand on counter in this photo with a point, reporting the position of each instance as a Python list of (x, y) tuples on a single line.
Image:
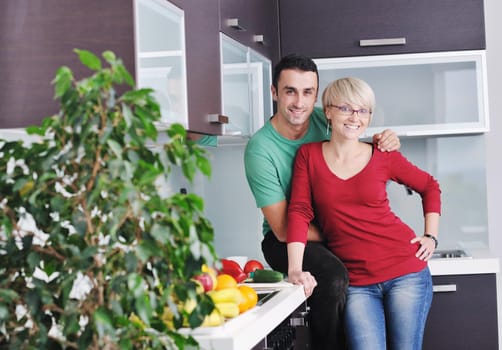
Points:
[(303, 278)]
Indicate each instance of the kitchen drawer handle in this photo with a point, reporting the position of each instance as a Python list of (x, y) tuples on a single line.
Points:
[(382, 42), (444, 288), (218, 119)]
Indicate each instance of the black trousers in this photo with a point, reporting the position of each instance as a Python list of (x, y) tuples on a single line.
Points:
[(327, 302)]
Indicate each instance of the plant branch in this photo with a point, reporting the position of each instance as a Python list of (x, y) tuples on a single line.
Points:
[(48, 250)]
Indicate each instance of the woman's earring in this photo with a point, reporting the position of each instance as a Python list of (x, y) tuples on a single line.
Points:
[(328, 126)]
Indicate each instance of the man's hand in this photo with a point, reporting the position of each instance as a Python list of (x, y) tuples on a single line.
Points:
[(387, 141), (314, 234)]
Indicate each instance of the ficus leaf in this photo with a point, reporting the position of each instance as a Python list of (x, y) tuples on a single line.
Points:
[(89, 59), (62, 82)]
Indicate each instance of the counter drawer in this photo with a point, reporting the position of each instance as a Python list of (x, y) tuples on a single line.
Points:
[(463, 314)]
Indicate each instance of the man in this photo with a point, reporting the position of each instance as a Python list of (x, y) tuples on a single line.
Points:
[(268, 163)]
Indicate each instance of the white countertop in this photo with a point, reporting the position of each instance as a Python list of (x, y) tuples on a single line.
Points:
[(478, 262), (249, 328)]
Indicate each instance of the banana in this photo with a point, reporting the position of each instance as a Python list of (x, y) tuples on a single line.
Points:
[(227, 295), (227, 309), (214, 319)]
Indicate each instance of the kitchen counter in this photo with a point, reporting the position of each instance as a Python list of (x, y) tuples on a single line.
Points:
[(478, 262), (249, 328)]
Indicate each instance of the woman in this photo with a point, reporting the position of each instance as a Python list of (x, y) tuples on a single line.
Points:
[(342, 183)]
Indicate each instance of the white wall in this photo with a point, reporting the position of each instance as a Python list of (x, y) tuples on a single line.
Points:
[(493, 10), (230, 206)]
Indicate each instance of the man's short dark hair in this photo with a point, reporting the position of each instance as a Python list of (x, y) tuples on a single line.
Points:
[(294, 61)]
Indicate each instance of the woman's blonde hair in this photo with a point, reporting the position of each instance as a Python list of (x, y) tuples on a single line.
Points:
[(349, 90)]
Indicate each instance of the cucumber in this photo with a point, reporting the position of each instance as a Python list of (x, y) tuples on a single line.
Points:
[(267, 276)]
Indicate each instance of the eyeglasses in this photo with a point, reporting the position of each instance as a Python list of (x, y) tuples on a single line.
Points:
[(348, 111)]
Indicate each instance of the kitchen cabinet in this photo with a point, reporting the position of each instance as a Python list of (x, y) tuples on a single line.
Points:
[(422, 94), (39, 37), (246, 80), (337, 28), (203, 65), (160, 59), (463, 314), (253, 24)]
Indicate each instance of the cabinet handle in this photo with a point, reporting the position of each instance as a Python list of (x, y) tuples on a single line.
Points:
[(234, 23), (259, 39), (217, 119), (382, 42), (444, 288)]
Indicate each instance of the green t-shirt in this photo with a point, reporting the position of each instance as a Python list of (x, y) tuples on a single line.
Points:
[(208, 140), (269, 157)]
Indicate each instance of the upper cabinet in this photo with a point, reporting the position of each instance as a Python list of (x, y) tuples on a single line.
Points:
[(246, 81), (421, 94), (39, 38), (253, 24), (160, 59), (203, 65), (337, 28)]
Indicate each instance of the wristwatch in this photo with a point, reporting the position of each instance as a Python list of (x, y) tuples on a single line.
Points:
[(433, 238)]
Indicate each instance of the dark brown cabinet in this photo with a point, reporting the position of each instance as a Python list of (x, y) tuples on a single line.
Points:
[(335, 28), (463, 314), (253, 24), (39, 37), (202, 63)]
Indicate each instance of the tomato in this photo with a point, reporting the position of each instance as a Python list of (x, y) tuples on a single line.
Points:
[(252, 265)]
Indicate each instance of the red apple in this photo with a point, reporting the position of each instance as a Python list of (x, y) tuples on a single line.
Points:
[(206, 280), (212, 272)]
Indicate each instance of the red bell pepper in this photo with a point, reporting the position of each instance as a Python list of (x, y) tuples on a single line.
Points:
[(233, 269)]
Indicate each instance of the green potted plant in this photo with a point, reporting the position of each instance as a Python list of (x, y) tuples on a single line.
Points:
[(92, 254)]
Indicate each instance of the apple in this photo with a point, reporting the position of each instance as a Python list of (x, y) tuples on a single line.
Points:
[(212, 272), (206, 280)]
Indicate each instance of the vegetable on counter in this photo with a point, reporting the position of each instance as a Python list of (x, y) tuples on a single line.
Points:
[(233, 269), (267, 276), (252, 265), (230, 300)]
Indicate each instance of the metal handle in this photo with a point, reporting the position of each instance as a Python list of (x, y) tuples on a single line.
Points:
[(382, 42), (217, 119), (234, 23), (259, 39), (444, 288)]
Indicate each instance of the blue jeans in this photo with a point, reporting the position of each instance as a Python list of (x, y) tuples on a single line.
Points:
[(390, 314)]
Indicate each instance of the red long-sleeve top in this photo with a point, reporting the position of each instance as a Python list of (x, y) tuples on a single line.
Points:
[(354, 214)]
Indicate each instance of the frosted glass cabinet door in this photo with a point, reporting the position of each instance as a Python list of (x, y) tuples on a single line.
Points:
[(246, 79), (160, 57), (420, 94)]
